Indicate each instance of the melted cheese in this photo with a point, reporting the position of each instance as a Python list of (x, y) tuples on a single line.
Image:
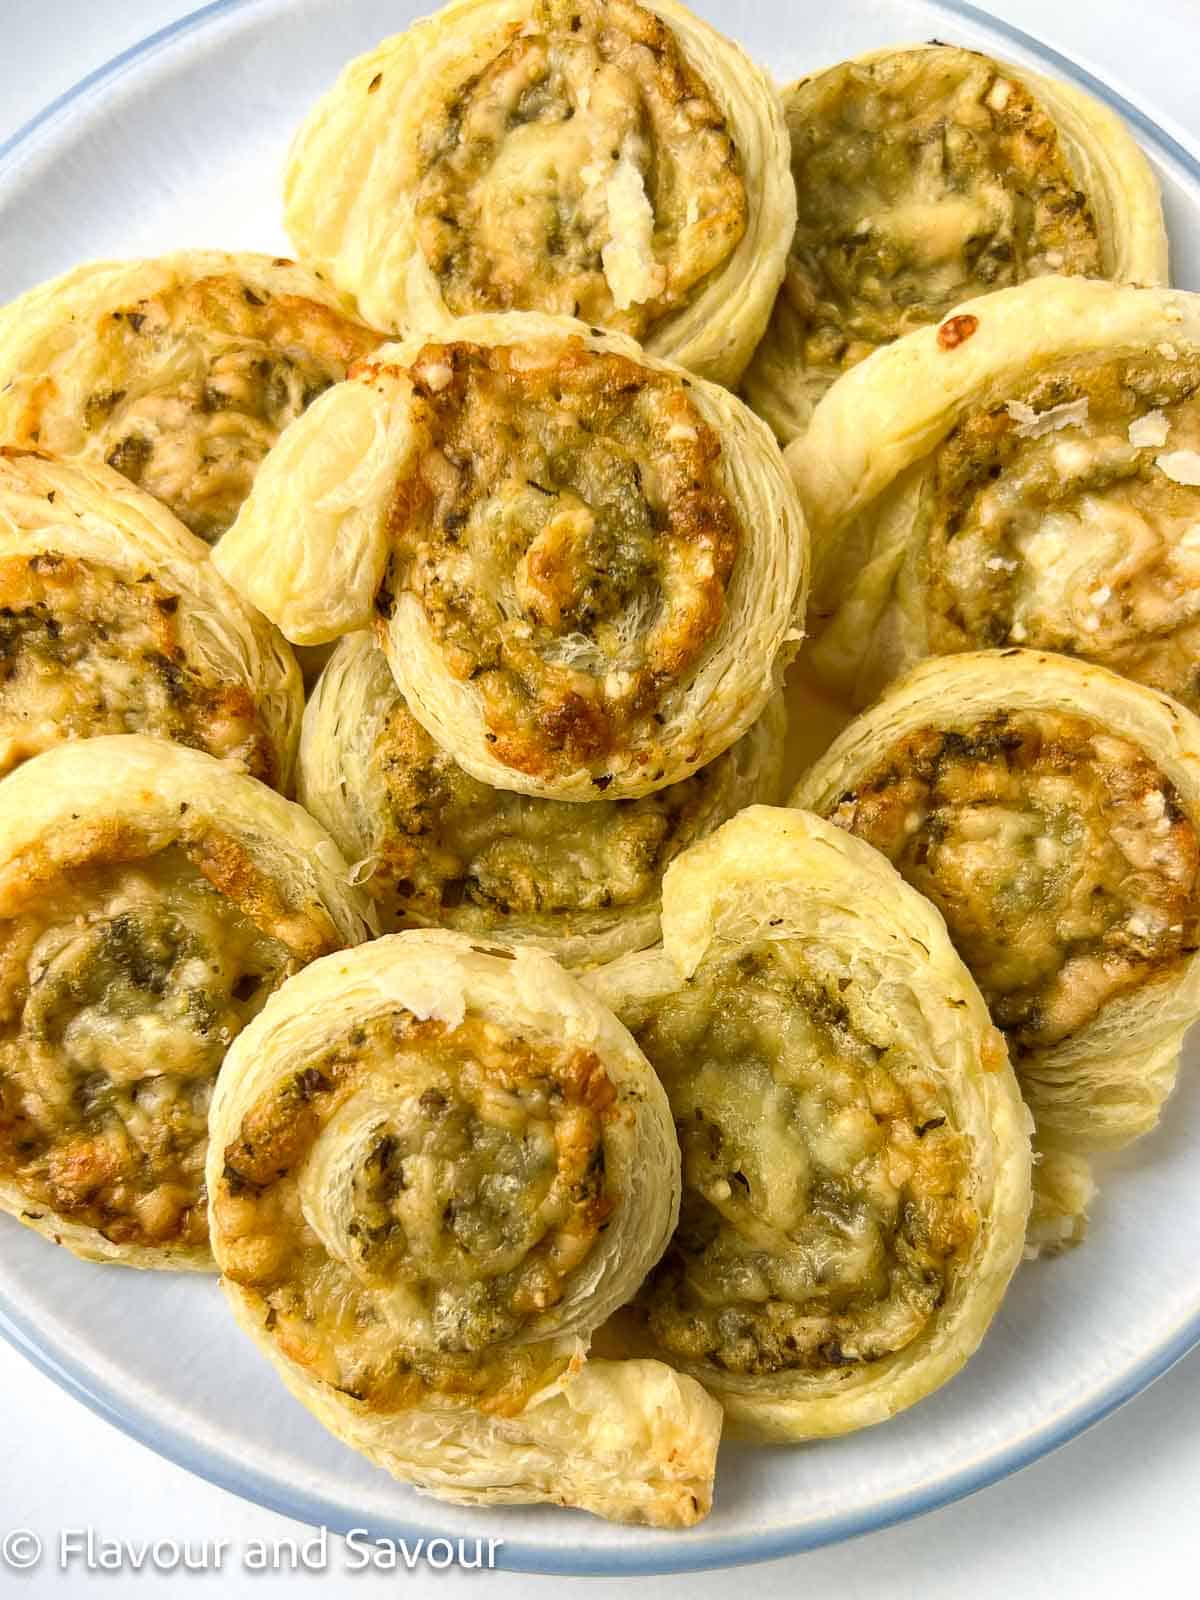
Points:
[(448, 850), (122, 989), (86, 651), (418, 1187), (923, 179), (569, 553), (1066, 870), (1053, 522), (584, 170), (827, 1199), (198, 383)]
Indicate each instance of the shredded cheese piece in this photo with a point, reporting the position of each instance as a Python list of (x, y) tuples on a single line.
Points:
[(1033, 424), (633, 275), (1181, 466), (1152, 429)]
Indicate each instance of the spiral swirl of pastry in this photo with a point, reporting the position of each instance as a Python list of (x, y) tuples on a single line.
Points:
[(855, 1150), (928, 176), (435, 847), (150, 900), (1051, 810), (586, 569), (113, 620), (435, 1167), (1034, 481), (180, 372), (618, 162)]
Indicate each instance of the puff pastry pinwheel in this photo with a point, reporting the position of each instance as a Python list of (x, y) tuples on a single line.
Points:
[(437, 848), (1027, 473), (587, 569), (617, 162), (150, 899), (855, 1148), (1051, 811), (930, 175), (113, 620), (179, 371), (435, 1166)]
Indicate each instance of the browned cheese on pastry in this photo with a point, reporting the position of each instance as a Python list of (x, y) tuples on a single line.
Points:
[(558, 179), (1068, 519), (570, 543), (922, 179), (827, 1192), (124, 978), (1062, 859), (85, 650), (479, 1206), (194, 382)]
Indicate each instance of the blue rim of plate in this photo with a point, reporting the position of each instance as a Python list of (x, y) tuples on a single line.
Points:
[(688, 1552)]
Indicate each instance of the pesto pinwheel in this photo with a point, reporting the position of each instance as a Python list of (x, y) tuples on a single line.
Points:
[(113, 620), (434, 847), (435, 1167), (855, 1149), (927, 176), (616, 162), (1028, 473), (587, 569), (180, 371), (1050, 810), (150, 900)]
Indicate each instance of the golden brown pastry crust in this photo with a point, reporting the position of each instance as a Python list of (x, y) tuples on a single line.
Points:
[(931, 175), (622, 162), (434, 847), (435, 1166), (1079, 849), (587, 569), (180, 371), (978, 483), (115, 621), (150, 900), (856, 1153)]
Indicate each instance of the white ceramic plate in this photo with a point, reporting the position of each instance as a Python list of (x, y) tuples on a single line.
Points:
[(179, 143)]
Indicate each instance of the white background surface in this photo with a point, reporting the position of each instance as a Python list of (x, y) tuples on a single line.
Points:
[(1113, 1514)]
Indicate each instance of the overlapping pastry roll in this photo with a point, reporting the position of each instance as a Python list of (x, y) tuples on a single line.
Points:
[(616, 162), (587, 569), (927, 176), (179, 371), (1050, 810), (150, 900), (435, 1167), (113, 620), (434, 847), (855, 1150), (1027, 473)]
